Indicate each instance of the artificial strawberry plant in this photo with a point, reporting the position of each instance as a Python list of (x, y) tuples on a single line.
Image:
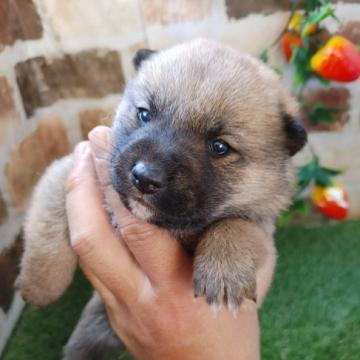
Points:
[(314, 53)]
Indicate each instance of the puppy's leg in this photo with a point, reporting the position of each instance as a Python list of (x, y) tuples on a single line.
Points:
[(93, 338), (226, 261), (48, 263)]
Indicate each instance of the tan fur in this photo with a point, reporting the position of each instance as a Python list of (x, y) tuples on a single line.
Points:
[(226, 260), (48, 263)]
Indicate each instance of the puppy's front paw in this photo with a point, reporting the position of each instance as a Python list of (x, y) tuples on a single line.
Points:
[(42, 281), (34, 293), (227, 283)]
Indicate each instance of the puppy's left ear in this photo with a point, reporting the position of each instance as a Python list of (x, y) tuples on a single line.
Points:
[(142, 55), (295, 134)]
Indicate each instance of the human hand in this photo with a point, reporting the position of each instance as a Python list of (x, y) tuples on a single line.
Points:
[(144, 276)]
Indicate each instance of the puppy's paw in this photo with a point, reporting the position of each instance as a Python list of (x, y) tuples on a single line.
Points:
[(41, 282), (226, 283), (36, 294)]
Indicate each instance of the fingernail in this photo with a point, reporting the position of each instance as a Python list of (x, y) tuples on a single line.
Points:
[(80, 149), (100, 140)]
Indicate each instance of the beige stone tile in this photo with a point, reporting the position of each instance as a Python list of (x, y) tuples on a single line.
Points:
[(9, 118), (335, 98), (71, 19), (87, 74), (166, 12), (19, 20), (351, 30), (237, 9), (32, 155), (91, 118)]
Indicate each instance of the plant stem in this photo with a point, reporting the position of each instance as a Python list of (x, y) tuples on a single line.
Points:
[(312, 150)]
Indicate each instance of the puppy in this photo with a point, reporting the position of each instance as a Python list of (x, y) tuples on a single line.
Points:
[(203, 140)]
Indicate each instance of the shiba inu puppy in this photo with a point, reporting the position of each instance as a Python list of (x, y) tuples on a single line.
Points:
[(203, 140)]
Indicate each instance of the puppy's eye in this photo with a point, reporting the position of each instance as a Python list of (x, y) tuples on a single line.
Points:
[(219, 147), (143, 115)]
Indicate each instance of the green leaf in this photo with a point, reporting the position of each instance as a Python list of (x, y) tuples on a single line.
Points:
[(323, 80), (319, 15), (314, 172), (301, 59), (283, 218), (313, 119), (336, 19), (302, 75), (299, 77), (301, 206), (312, 5), (277, 70), (264, 56), (324, 115), (307, 173), (322, 178), (331, 172)]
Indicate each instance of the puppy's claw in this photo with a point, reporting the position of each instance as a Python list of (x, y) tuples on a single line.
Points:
[(215, 307), (230, 287), (198, 288)]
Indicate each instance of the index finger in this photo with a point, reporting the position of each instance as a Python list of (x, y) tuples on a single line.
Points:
[(93, 238)]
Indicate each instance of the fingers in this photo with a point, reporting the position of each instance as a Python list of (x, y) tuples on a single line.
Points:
[(157, 252), (100, 250)]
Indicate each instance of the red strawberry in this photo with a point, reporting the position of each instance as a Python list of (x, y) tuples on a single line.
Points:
[(338, 60)]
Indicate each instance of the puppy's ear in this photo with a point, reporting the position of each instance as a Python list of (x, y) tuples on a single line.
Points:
[(141, 55), (295, 133)]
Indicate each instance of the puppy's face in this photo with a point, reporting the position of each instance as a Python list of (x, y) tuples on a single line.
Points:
[(204, 133)]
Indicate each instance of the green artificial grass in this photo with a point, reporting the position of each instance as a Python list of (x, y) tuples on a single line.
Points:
[(312, 311), (41, 333)]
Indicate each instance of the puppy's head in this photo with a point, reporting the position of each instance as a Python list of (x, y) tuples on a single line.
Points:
[(203, 133)]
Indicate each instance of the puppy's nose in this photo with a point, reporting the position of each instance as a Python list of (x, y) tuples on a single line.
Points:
[(147, 178)]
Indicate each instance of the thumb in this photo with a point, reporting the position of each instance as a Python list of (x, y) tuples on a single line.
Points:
[(158, 253)]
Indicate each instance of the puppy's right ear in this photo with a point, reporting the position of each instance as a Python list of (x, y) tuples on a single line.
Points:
[(295, 134), (142, 55)]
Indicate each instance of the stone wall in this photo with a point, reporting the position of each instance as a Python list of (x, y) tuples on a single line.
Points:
[(63, 65)]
